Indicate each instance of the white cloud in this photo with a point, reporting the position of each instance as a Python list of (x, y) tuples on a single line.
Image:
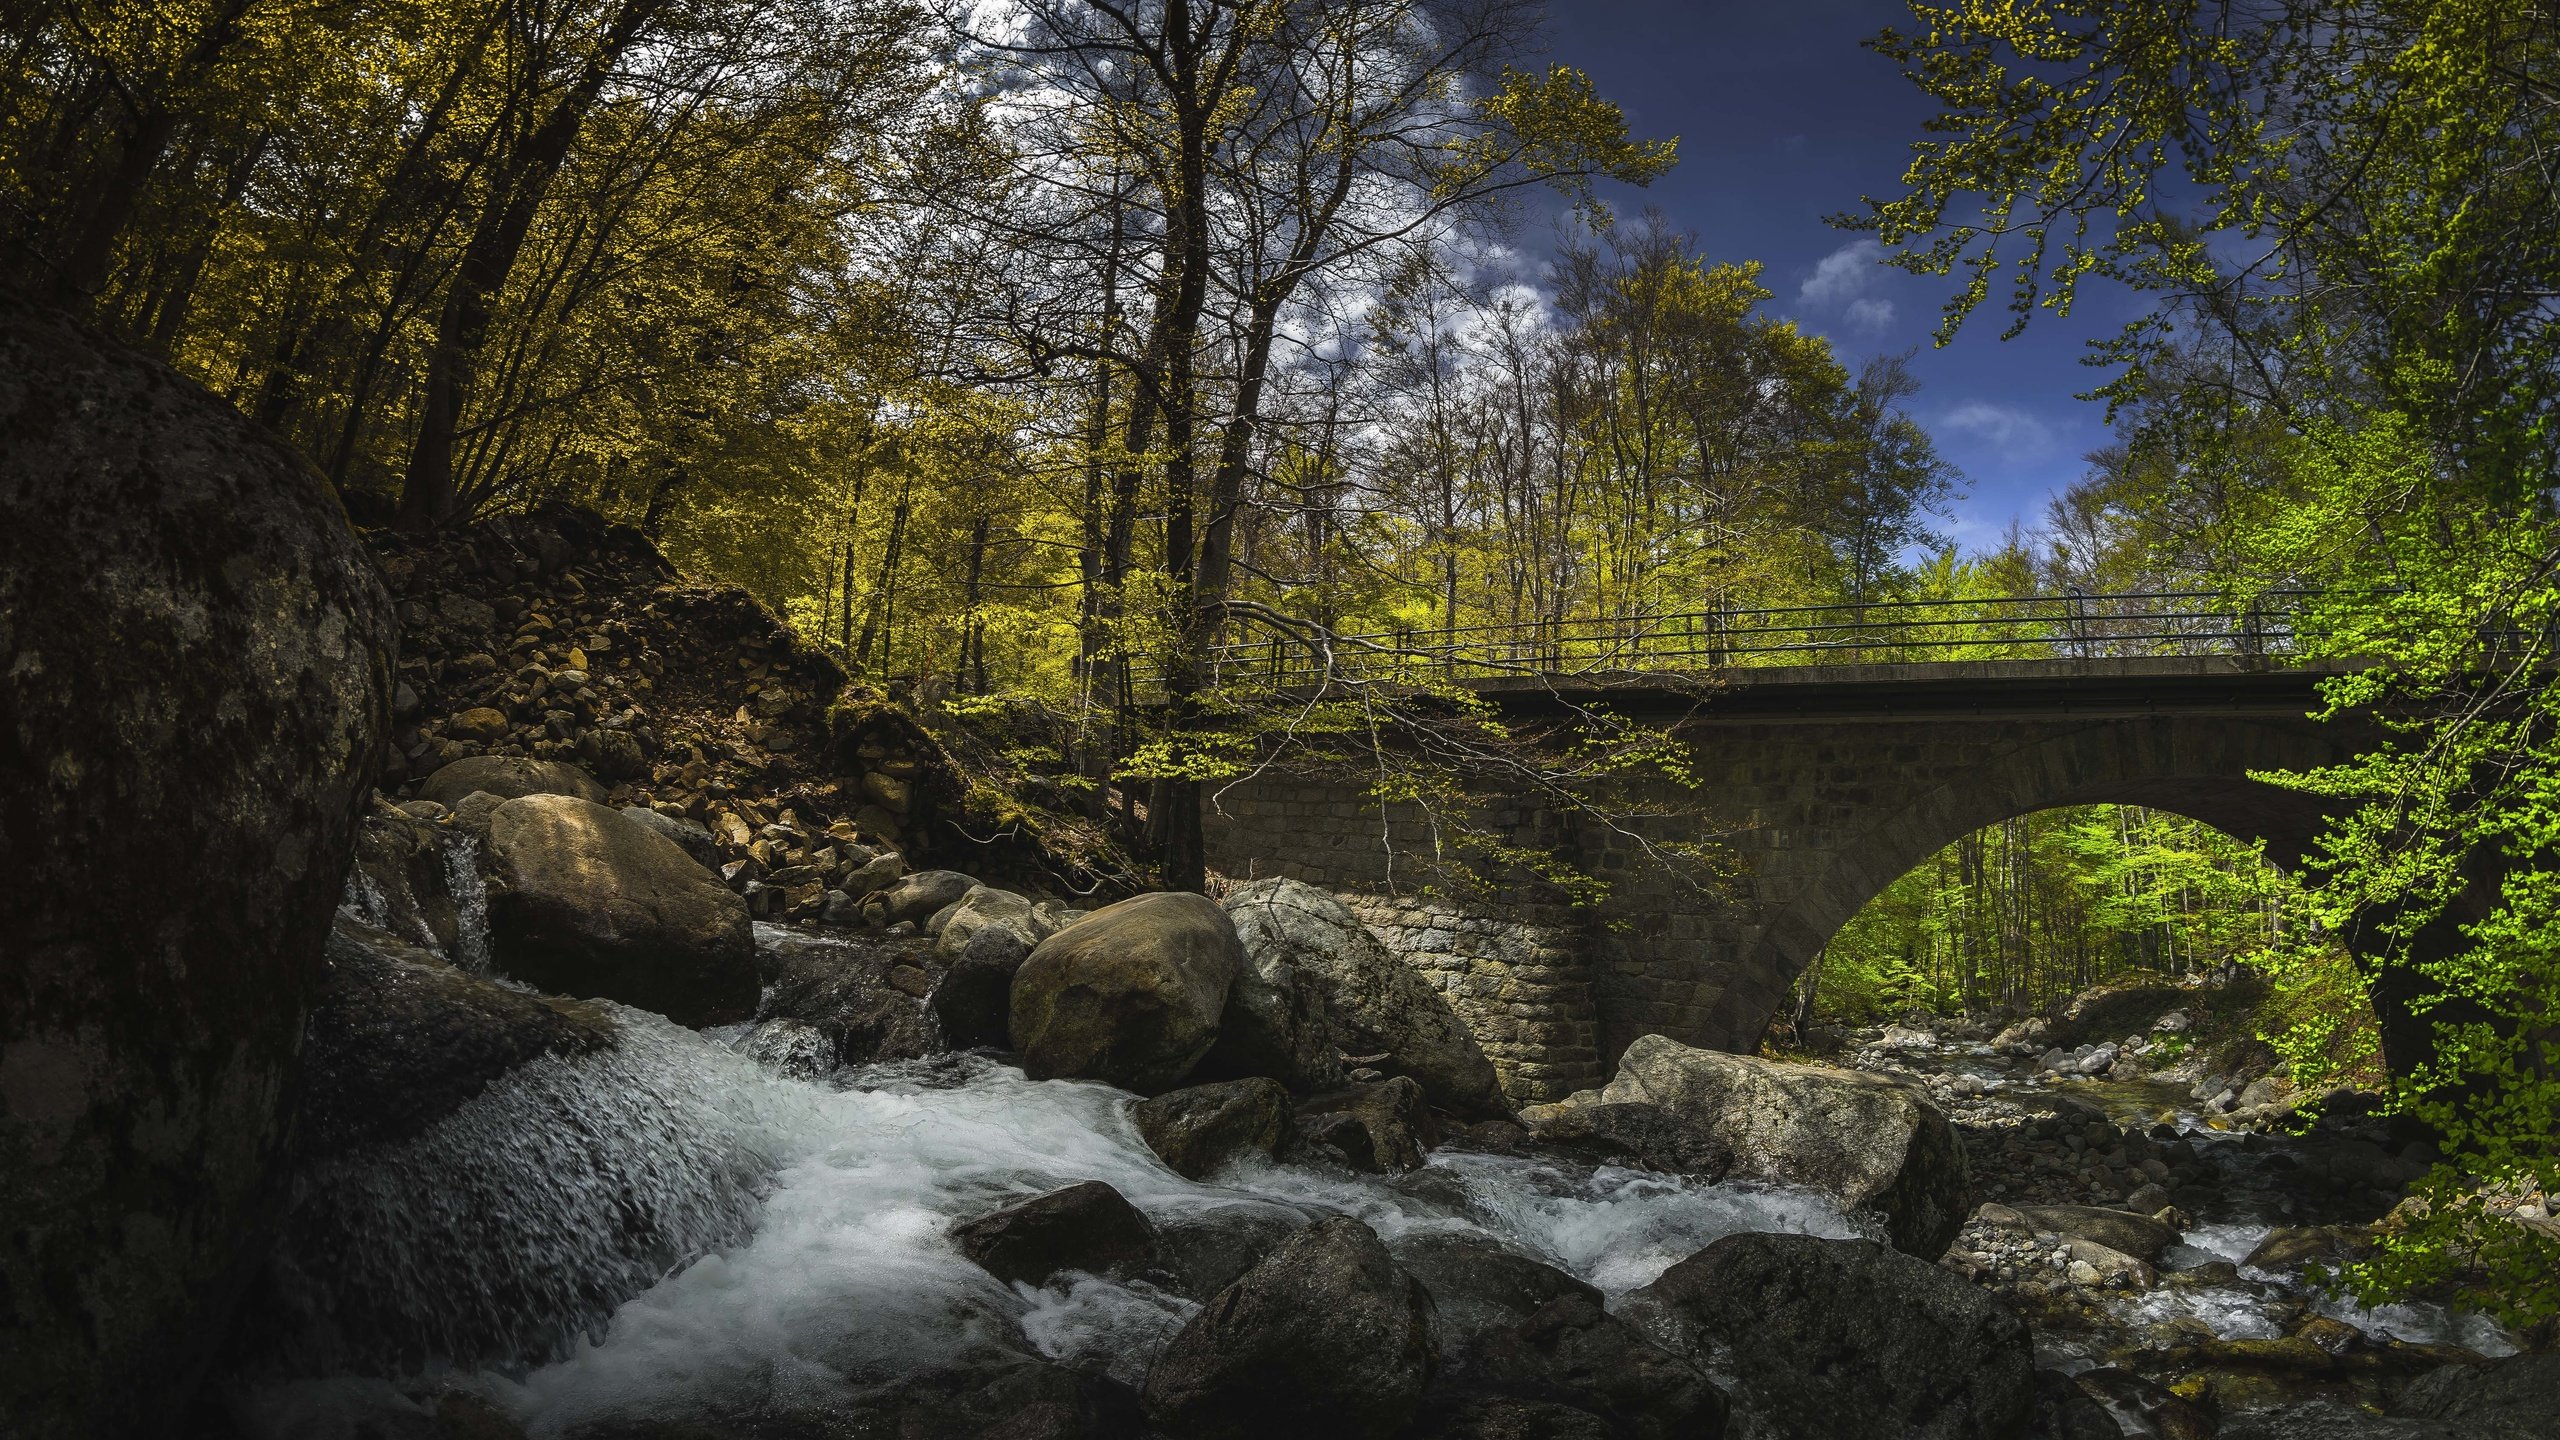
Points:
[(1871, 314), (2003, 427), (1843, 275)]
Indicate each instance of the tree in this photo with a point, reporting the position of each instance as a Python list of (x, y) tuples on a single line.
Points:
[(2359, 303)]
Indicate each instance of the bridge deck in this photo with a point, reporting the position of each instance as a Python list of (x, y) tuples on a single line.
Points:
[(1986, 689)]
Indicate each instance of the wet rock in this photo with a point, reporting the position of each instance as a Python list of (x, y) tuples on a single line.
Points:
[(400, 883), (2335, 1420), (1202, 1129), (2290, 1248), (1088, 1227), (849, 993), (1129, 995), (1477, 1285), (688, 835), (2145, 1401), (2521, 1392), (1862, 1139), (399, 1039), (1570, 1351), (2064, 1411), (1504, 1417), (1638, 1135), (509, 777), (2138, 1236), (1205, 1251), (973, 1002), (193, 667), (1327, 1336), (1843, 1339), (917, 897), (585, 901), (1372, 1001), (792, 1048), (1385, 1126)]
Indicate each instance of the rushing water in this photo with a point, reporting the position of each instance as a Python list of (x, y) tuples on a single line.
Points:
[(461, 851), (2251, 1199), (787, 1239)]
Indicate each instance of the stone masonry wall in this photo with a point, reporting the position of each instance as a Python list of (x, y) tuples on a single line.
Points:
[(1515, 970), (1816, 816), (1522, 988)]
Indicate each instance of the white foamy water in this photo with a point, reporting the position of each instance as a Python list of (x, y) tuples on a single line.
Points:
[(798, 1230), (461, 850)]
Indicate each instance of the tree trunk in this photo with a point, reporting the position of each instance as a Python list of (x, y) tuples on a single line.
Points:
[(85, 265), (427, 495)]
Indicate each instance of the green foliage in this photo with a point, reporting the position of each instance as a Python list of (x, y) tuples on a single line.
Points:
[(2026, 913), (2350, 383)]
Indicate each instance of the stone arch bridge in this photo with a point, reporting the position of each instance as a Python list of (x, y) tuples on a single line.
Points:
[(1827, 783)]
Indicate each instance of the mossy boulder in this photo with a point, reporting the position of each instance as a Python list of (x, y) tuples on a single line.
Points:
[(195, 681)]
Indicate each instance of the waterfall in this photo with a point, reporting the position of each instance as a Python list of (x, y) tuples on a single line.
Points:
[(363, 901), (470, 901)]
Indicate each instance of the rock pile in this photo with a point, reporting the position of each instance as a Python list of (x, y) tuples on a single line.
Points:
[(556, 640)]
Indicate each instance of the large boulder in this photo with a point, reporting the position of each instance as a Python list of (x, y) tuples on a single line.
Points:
[(1086, 1227), (1571, 1351), (1202, 1129), (858, 1001), (400, 1038), (1383, 1126), (584, 901), (1638, 1136), (1276, 1024), (2139, 1236), (2520, 1391), (1130, 994), (1203, 1251), (508, 777), (1327, 1336), (194, 687), (1477, 1286), (973, 1001), (1295, 934), (983, 907), (1865, 1141), (1843, 1340)]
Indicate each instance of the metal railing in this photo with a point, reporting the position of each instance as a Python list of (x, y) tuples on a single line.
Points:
[(2071, 626)]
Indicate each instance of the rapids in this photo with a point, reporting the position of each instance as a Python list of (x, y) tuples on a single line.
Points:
[(670, 1227)]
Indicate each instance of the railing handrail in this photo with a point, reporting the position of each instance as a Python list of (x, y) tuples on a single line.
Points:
[(2182, 621)]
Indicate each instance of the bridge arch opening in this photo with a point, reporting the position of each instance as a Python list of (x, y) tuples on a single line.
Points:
[(2200, 769), (2017, 916)]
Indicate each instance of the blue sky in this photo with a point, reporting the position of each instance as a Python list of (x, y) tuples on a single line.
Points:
[(1783, 118)]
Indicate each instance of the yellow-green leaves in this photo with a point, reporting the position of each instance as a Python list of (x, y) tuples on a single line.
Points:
[(1554, 125)]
